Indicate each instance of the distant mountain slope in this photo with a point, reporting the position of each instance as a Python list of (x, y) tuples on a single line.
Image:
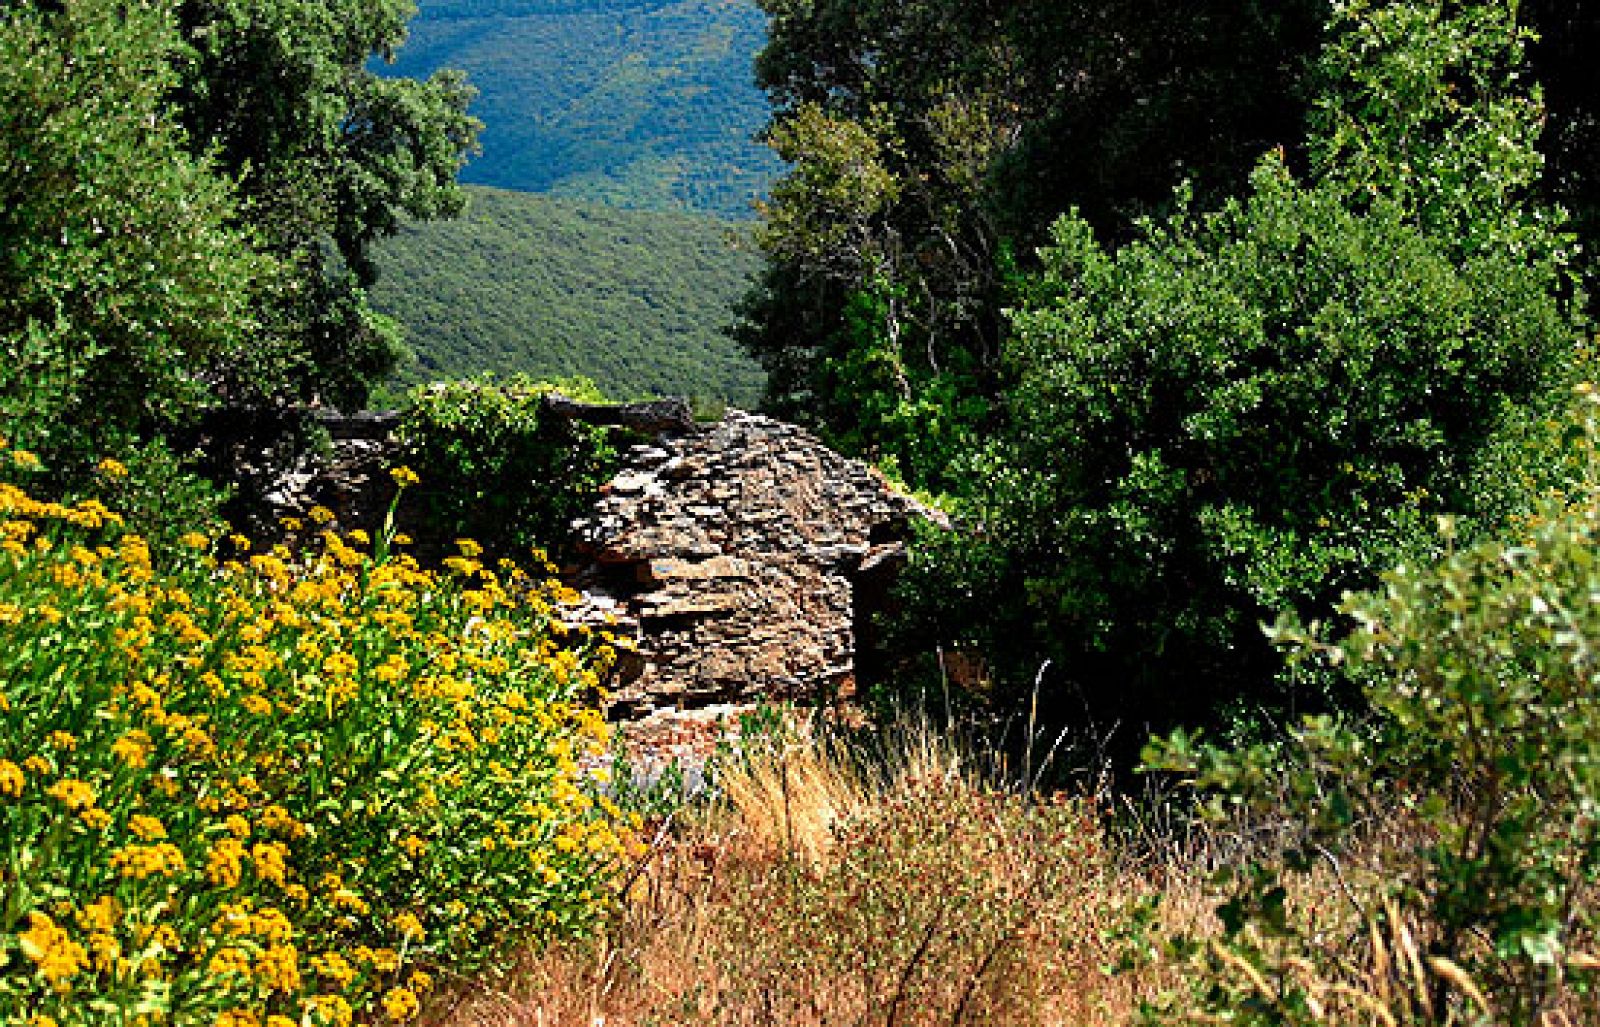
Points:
[(635, 300), (639, 103)]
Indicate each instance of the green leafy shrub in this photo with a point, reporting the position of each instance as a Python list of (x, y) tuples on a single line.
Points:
[(124, 281), (497, 467), (288, 789), (1478, 772), (1257, 408)]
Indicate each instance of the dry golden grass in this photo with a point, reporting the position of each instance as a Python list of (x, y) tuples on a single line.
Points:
[(824, 888)]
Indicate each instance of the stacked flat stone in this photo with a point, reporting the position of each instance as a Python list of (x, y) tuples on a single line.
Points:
[(730, 554)]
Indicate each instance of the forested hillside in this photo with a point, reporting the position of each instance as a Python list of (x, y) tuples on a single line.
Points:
[(640, 103), (635, 300)]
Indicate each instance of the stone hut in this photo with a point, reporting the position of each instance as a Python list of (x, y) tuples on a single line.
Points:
[(746, 559)]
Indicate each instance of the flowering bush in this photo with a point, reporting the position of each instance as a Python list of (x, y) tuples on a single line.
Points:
[(279, 790)]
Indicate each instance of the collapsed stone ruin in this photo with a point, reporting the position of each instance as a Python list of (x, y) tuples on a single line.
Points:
[(745, 559)]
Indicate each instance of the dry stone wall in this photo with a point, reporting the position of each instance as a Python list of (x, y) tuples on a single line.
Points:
[(737, 555), (744, 559)]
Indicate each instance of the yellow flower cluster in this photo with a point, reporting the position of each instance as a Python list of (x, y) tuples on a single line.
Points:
[(285, 787)]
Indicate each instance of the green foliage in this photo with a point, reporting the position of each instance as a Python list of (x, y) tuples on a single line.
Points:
[(1427, 106), (1484, 742), (525, 284), (125, 286), (1258, 408), (497, 468), (635, 103), (163, 496), (930, 140), (187, 194), (329, 156)]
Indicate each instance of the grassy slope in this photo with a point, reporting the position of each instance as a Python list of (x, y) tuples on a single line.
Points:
[(632, 299), (639, 103)]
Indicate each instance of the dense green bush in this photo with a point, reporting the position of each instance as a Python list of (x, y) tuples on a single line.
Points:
[(328, 156), (1257, 408), (187, 194), (498, 468), (123, 283), (1478, 770)]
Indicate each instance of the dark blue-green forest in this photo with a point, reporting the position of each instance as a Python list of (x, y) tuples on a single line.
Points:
[(637, 103)]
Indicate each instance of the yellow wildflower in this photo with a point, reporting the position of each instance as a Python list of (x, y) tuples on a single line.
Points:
[(329, 1011), (230, 960), (404, 477), (271, 862), (112, 468), (57, 956), (400, 1004), (409, 926), (146, 828), (225, 863), (278, 967), (12, 779), (144, 861), (72, 793), (392, 669), (133, 748), (277, 819), (334, 967), (105, 950), (101, 914)]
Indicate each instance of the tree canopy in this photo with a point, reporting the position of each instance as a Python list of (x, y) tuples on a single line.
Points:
[(1253, 405), (129, 277), (188, 197), (932, 142), (327, 156)]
